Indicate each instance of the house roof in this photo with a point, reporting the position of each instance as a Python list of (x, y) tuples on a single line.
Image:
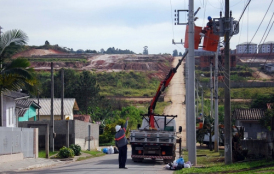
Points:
[(247, 43), (85, 118), (24, 105), (70, 104), (248, 114), (16, 95)]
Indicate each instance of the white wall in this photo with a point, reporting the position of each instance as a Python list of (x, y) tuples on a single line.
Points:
[(9, 116)]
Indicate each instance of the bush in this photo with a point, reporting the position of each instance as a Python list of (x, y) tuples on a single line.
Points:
[(65, 152), (76, 149)]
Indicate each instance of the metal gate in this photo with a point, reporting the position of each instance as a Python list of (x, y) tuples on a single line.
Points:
[(16, 140)]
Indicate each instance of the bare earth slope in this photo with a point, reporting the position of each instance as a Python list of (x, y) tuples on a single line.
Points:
[(160, 64), (176, 94)]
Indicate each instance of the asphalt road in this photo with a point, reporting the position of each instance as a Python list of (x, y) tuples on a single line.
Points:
[(104, 165)]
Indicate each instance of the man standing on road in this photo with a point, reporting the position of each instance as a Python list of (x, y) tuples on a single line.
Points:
[(121, 143)]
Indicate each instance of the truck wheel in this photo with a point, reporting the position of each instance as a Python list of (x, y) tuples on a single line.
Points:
[(137, 159), (166, 161)]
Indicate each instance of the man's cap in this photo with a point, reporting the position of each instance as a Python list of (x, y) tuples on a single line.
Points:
[(117, 128), (209, 18)]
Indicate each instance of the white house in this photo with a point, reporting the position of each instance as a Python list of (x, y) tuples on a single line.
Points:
[(10, 116)]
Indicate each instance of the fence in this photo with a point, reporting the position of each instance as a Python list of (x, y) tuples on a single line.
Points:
[(241, 84), (18, 140)]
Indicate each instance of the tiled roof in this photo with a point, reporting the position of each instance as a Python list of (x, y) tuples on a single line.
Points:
[(24, 105), (45, 103), (248, 114), (16, 95), (85, 118)]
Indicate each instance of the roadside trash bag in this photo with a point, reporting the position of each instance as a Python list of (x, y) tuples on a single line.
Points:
[(105, 150), (116, 150), (180, 161), (186, 165), (110, 150), (99, 149)]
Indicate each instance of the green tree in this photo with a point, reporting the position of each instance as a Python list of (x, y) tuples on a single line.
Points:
[(175, 53), (87, 91), (14, 74)]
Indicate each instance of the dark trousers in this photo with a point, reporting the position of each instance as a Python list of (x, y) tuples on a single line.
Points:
[(122, 156)]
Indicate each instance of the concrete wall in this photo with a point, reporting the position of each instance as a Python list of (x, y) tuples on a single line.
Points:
[(78, 131), (256, 147), (81, 132)]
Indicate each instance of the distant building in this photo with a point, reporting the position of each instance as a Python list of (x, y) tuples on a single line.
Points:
[(266, 47), (246, 48), (269, 67), (145, 52), (201, 52)]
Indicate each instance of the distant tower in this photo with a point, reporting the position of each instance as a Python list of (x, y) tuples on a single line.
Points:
[(145, 52)]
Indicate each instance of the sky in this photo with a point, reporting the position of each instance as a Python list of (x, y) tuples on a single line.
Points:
[(126, 24)]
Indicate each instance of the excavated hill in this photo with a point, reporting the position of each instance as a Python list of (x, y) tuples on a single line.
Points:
[(98, 62)]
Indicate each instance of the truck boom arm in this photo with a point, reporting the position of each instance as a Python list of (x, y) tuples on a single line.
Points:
[(161, 88)]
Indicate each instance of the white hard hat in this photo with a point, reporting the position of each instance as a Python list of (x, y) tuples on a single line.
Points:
[(117, 128)]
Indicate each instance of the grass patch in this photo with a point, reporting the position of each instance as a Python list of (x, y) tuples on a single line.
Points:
[(261, 166), (42, 153), (92, 153), (57, 60), (213, 162)]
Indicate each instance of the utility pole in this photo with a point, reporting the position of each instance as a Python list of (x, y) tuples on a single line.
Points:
[(62, 94), (216, 121), (211, 91), (227, 127), (191, 88), (51, 111)]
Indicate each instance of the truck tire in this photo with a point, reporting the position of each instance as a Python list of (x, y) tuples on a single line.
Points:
[(137, 159), (166, 161)]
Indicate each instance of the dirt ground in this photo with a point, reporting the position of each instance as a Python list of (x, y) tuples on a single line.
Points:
[(176, 94), (261, 75)]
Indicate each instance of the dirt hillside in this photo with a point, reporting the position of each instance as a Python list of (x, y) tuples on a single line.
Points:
[(100, 62)]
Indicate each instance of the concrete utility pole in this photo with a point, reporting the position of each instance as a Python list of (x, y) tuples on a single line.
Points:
[(186, 102), (216, 121), (227, 127), (211, 91), (51, 111), (191, 88)]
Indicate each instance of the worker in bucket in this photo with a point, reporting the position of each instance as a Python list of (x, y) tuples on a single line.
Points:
[(121, 143), (210, 23), (208, 27)]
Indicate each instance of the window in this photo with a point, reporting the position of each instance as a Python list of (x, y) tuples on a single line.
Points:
[(11, 120), (7, 117)]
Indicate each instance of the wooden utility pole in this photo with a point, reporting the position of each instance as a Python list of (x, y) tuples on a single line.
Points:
[(227, 127), (51, 111), (62, 94)]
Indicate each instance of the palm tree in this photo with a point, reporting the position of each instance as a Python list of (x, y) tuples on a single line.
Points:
[(14, 74)]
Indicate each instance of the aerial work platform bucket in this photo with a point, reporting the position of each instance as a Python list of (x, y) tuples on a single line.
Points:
[(197, 37), (210, 41)]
